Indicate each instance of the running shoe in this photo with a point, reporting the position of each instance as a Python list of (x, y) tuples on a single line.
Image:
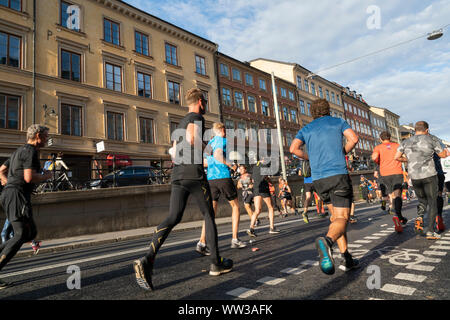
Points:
[(274, 230), (352, 220), (323, 215), (305, 217), (224, 266), (418, 225), (349, 265), (237, 244), (36, 245), (397, 224), (251, 232), (202, 249), (326, 261), (383, 205), (440, 224), (143, 271), (257, 222), (433, 235), (4, 285)]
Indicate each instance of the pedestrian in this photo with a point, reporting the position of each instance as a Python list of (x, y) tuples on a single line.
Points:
[(323, 138), (273, 197), (23, 173), (220, 182), (285, 196), (188, 178), (391, 174), (245, 183), (364, 186), (441, 182), (418, 152)]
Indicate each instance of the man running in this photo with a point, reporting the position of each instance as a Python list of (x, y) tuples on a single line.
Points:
[(220, 182), (323, 138), (419, 150), (245, 183), (391, 172), (23, 173), (188, 178)]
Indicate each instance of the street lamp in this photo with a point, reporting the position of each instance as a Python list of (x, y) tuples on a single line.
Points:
[(435, 34)]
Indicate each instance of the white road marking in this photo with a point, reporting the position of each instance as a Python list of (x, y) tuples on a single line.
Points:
[(310, 263), (392, 288), (432, 260), (384, 225), (294, 271), (386, 231), (363, 241), (380, 234), (435, 253), (410, 277), (372, 238), (440, 247), (419, 267), (442, 242), (375, 299), (242, 293), (351, 245), (271, 281)]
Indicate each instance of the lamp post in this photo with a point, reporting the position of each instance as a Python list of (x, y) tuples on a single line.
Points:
[(277, 117)]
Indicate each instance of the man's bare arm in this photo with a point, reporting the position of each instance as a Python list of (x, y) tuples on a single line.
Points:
[(352, 140), (399, 156), (295, 149)]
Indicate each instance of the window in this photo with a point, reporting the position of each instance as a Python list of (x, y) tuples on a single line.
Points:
[(112, 32), (294, 116), (268, 136), (144, 85), (141, 43), (248, 79), (173, 126), (171, 54), (289, 138), (338, 100), (313, 88), (206, 96), (200, 65), (236, 74), (70, 66), (283, 92), (243, 127), (238, 101), (299, 82), (345, 106), (320, 92), (113, 77), (224, 70), (12, 4), (9, 112), (115, 126), (285, 114), (333, 98), (174, 92), (226, 96), (308, 109), (291, 95), (251, 104), (10, 50), (229, 124), (306, 85), (71, 120), (328, 94), (265, 107), (262, 84), (302, 107), (146, 128), (253, 132)]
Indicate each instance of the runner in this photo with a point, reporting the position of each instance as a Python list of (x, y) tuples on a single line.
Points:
[(323, 138), (285, 196), (261, 193), (419, 150), (23, 173), (220, 182), (188, 178), (245, 183), (273, 196), (441, 181), (391, 174)]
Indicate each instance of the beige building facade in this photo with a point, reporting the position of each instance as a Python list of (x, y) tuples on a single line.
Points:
[(392, 122), (104, 71)]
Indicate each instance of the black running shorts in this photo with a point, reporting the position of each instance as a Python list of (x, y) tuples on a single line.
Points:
[(225, 186), (336, 190), (309, 187), (262, 189), (392, 182), (441, 182)]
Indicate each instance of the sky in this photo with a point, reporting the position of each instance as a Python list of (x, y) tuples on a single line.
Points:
[(412, 80)]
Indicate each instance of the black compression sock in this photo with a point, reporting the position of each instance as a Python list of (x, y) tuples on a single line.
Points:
[(398, 203), (440, 204), (347, 256), (329, 241)]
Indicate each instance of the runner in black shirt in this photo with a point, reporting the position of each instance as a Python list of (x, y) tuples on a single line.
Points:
[(188, 178), (23, 173)]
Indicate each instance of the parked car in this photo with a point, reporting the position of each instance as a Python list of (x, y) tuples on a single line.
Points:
[(128, 176)]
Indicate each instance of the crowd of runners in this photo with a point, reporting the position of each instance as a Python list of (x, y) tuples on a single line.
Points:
[(322, 145)]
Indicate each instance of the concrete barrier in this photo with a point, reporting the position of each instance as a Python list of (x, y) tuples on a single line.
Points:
[(73, 213)]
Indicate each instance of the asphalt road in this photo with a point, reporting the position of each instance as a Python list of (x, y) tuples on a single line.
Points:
[(405, 267)]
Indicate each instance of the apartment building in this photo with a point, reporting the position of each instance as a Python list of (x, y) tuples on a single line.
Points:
[(378, 125), (104, 71), (392, 122)]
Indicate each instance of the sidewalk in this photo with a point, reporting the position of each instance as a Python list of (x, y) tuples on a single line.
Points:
[(57, 245)]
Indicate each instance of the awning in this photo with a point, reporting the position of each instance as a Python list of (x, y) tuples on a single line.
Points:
[(121, 160)]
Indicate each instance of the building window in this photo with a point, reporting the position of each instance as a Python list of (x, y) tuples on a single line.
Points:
[(243, 128), (70, 66), (146, 128), (291, 95), (320, 92), (262, 84), (285, 114), (253, 132), (249, 79), (294, 116), (10, 50), (71, 120), (289, 138), (338, 100), (283, 92), (68, 16), (171, 54), (265, 107), (206, 97), (313, 88), (226, 96), (200, 65), (236, 74), (251, 104), (229, 124), (302, 107), (115, 126), (306, 85), (112, 32), (173, 126), (308, 109), (144, 85), (113, 77), (174, 92), (328, 94), (268, 136), (299, 82), (12, 4), (238, 101), (9, 112), (333, 98), (224, 70), (141, 43)]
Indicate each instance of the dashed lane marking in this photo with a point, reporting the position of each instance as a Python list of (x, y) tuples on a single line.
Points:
[(410, 277), (310, 263), (419, 267), (442, 242), (435, 253), (440, 247), (242, 293), (294, 271), (380, 234), (384, 225), (271, 281), (351, 245), (432, 260), (392, 288), (372, 238), (363, 241)]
